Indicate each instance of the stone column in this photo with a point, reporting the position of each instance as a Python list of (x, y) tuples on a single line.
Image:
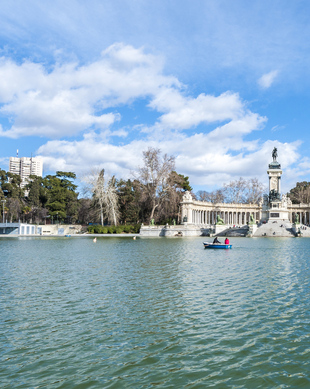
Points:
[(190, 215)]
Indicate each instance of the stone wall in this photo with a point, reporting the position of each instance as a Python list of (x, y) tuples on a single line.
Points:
[(60, 229), (174, 231)]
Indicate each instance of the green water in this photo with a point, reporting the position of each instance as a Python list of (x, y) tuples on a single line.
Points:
[(154, 313)]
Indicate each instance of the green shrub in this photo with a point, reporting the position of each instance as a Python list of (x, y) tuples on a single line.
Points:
[(127, 228), (136, 228), (90, 229), (111, 230), (97, 229)]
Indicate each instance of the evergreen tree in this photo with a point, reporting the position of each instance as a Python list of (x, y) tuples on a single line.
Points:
[(128, 196), (301, 193), (62, 202)]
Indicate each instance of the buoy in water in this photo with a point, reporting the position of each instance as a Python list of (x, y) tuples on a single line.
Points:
[(134, 238), (95, 240)]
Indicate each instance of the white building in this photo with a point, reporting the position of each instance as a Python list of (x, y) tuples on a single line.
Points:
[(25, 167)]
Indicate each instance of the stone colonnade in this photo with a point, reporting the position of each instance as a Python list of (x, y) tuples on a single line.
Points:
[(232, 217), (203, 213), (303, 212)]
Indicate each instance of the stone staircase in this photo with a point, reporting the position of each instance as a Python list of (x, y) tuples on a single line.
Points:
[(234, 231), (275, 229)]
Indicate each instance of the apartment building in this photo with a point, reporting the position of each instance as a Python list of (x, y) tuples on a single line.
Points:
[(25, 167)]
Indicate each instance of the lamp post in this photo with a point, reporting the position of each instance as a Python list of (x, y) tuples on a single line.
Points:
[(3, 201)]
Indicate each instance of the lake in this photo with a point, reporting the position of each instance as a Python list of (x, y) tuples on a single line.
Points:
[(154, 313)]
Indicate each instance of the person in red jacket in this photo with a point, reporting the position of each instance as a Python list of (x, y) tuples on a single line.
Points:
[(226, 241)]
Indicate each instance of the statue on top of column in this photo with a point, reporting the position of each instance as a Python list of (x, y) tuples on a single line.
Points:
[(274, 164), (274, 154)]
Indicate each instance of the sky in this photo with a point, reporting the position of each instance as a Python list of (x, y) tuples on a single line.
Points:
[(216, 83)]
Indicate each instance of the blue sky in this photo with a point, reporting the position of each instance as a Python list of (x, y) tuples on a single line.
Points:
[(216, 83)]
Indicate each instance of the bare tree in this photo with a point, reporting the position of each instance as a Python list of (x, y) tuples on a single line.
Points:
[(96, 182), (217, 196), (244, 191), (255, 191), (105, 195), (239, 191), (111, 201), (202, 195), (154, 175), (234, 192), (214, 197)]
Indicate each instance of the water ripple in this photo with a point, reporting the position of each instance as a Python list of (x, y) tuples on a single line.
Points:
[(154, 313)]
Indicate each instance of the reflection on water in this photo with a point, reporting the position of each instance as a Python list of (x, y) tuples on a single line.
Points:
[(154, 313)]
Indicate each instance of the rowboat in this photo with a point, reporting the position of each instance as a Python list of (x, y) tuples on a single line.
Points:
[(216, 245)]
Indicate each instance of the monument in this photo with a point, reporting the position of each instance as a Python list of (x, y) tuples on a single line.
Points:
[(274, 215), (274, 205)]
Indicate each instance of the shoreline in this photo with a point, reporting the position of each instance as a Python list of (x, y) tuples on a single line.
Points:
[(71, 236)]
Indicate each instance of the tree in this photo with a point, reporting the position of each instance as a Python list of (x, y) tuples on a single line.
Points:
[(13, 193), (243, 191), (182, 181), (301, 193), (154, 175), (3, 179), (214, 197), (104, 194), (10, 184), (170, 209), (87, 211), (111, 202), (234, 191), (240, 191), (14, 208), (62, 199), (129, 196), (255, 191), (55, 195)]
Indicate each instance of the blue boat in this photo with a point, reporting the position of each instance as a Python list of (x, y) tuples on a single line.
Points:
[(216, 245)]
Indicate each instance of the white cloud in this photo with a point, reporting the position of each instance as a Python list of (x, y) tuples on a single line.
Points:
[(70, 98), (208, 163), (267, 79), (183, 112), (277, 128)]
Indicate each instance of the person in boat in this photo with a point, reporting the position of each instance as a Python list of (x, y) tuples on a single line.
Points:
[(216, 240), (226, 241)]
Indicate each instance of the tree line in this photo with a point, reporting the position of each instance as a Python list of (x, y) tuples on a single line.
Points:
[(53, 197), (153, 193), (239, 191)]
